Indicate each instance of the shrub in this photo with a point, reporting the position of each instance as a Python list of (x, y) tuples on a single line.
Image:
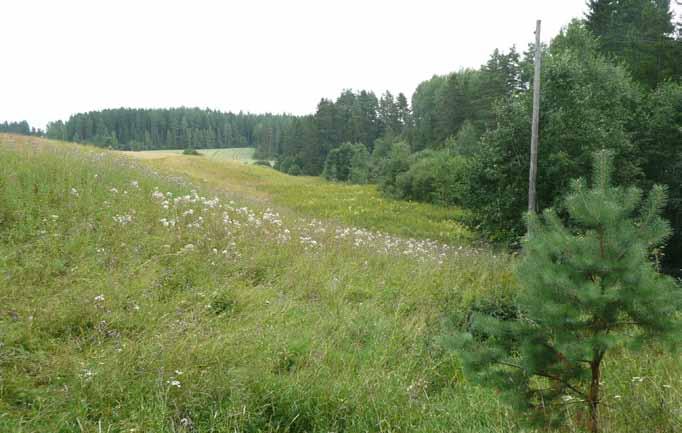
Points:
[(191, 151), (466, 142), (388, 168), (359, 165), (434, 177), (348, 163), (285, 164), (294, 170)]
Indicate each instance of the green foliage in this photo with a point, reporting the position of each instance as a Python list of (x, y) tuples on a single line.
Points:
[(286, 164), (147, 129), (466, 142), (338, 163), (294, 170), (359, 165), (433, 176), (640, 34), (348, 163), (587, 288), (587, 103), (262, 162), (22, 128), (191, 151), (355, 117), (396, 160), (660, 141), (300, 145), (445, 104)]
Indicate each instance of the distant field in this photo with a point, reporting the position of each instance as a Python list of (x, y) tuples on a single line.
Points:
[(241, 154)]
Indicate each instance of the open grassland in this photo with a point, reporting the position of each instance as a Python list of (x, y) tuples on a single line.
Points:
[(237, 154), (134, 300), (314, 197)]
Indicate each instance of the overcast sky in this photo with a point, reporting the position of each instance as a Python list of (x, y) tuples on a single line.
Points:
[(63, 57)]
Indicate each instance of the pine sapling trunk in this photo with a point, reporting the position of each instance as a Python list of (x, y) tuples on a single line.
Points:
[(593, 396)]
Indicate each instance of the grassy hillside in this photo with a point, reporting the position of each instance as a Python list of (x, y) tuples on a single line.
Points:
[(133, 299), (313, 197)]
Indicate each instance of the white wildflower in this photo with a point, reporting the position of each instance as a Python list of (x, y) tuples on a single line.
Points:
[(123, 219), (167, 222)]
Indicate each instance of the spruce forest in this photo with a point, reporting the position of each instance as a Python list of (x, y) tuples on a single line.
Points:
[(369, 267)]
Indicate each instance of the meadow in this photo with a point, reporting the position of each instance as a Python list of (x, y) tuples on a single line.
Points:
[(184, 294), (240, 154), (311, 196)]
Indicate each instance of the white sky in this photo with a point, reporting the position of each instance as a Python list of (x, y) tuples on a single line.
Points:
[(63, 57)]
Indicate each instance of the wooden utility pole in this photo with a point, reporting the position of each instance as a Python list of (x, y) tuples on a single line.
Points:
[(532, 199)]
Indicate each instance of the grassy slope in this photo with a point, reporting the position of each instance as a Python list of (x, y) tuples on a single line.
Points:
[(314, 197), (262, 329)]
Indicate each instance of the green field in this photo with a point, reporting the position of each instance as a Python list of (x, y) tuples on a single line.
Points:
[(241, 154), (314, 197), (182, 294)]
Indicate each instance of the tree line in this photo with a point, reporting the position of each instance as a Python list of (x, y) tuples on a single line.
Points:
[(174, 128), (22, 128), (440, 108), (357, 117)]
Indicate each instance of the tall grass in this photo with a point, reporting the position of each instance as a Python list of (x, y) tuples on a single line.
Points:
[(249, 319)]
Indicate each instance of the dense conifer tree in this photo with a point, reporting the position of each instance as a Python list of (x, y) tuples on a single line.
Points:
[(641, 34)]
